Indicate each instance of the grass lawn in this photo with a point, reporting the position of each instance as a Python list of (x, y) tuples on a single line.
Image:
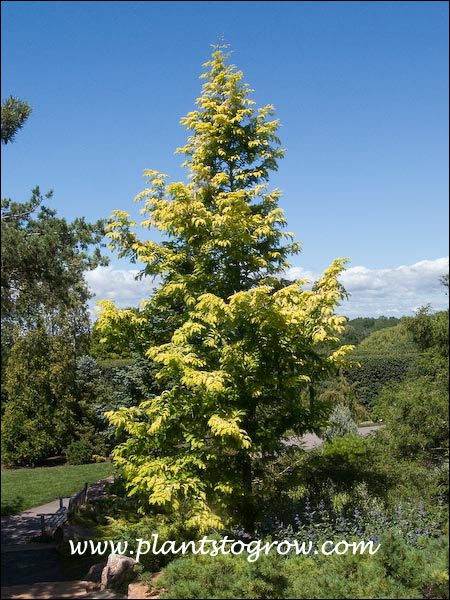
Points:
[(27, 488)]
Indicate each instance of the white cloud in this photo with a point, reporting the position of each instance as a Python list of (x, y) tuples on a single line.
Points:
[(395, 291), (118, 285), (392, 291), (301, 273)]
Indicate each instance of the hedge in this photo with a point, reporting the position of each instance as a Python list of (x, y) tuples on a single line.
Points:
[(377, 370)]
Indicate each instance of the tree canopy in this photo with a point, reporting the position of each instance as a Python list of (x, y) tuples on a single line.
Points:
[(43, 260), (241, 348), (44, 316), (14, 113)]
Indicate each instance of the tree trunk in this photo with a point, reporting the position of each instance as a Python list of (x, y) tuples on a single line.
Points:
[(248, 507)]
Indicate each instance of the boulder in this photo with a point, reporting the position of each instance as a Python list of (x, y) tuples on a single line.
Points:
[(118, 570), (95, 572)]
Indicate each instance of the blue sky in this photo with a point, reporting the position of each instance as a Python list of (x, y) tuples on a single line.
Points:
[(361, 89)]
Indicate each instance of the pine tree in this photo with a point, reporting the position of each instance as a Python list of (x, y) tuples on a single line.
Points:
[(13, 115), (44, 315), (240, 348)]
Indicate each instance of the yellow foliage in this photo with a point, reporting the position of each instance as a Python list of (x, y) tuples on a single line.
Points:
[(238, 351)]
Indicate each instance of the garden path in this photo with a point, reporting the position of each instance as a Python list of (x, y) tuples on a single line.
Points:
[(311, 440), (18, 529), (37, 570)]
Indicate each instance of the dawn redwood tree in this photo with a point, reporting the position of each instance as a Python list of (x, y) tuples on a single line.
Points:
[(241, 347)]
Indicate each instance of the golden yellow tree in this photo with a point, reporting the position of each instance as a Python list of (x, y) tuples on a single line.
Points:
[(240, 348)]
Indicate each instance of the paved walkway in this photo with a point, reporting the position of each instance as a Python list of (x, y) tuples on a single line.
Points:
[(63, 589), (18, 529), (311, 440), (37, 570), (28, 563)]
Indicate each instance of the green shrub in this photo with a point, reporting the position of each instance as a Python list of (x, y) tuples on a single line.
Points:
[(358, 329), (395, 571), (389, 354), (224, 576), (79, 452), (338, 390), (341, 423), (97, 458), (416, 415), (430, 330), (40, 414), (392, 341), (377, 370), (349, 450), (344, 461)]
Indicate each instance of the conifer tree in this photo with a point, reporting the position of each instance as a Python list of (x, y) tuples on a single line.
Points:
[(240, 348), (14, 113)]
